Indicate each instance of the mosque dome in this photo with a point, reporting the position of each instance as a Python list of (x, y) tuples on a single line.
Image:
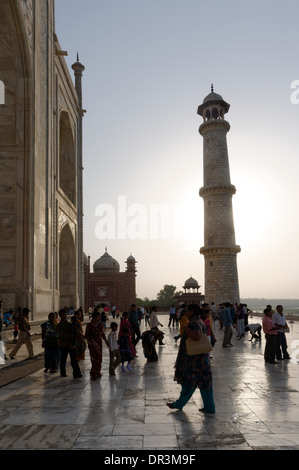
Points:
[(191, 284), (106, 264)]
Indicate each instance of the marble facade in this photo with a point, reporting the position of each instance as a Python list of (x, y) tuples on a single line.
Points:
[(41, 259)]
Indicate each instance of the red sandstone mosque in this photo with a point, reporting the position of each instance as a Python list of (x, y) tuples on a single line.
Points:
[(106, 284)]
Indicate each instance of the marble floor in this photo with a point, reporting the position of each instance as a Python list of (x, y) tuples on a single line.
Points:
[(256, 403)]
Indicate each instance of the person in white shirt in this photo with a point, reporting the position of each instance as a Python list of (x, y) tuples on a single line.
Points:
[(172, 315), (279, 319), (113, 349), (255, 330)]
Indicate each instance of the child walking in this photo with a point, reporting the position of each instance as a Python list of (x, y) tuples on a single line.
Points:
[(113, 349), (125, 352)]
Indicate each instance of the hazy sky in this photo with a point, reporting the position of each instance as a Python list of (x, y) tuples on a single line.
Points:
[(149, 64)]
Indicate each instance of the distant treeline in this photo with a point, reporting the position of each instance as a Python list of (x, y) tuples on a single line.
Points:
[(262, 303)]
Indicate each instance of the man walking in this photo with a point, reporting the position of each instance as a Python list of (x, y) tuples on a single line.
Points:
[(226, 319), (24, 335)]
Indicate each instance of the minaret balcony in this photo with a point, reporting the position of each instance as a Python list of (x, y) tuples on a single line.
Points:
[(212, 124), (220, 250), (216, 190)]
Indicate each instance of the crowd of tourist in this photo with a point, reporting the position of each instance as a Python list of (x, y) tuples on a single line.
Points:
[(274, 327), (63, 337)]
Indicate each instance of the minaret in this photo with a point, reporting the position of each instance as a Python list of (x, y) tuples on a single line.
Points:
[(131, 278), (220, 249), (78, 71)]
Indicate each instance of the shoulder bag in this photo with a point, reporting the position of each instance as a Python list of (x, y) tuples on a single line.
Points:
[(200, 346)]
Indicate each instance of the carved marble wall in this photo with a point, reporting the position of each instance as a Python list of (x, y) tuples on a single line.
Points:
[(37, 87)]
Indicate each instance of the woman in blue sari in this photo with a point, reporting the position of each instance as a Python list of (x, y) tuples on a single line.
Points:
[(193, 372)]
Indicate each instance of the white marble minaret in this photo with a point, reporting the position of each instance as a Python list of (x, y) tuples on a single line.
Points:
[(220, 249)]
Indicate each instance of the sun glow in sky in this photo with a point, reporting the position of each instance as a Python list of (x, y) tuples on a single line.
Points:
[(149, 64)]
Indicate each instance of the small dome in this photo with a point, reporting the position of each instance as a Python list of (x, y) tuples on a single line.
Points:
[(212, 97), (191, 283), (209, 100), (131, 259), (106, 263)]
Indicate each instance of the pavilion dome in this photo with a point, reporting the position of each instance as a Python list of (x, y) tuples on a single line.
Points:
[(191, 283), (212, 97), (106, 264), (212, 100)]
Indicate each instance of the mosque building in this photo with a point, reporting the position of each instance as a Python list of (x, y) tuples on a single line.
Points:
[(108, 285)]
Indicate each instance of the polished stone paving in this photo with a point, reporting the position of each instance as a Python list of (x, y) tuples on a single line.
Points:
[(256, 403)]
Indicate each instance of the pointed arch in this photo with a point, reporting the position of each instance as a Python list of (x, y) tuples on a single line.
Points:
[(16, 154), (67, 268), (67, 158)]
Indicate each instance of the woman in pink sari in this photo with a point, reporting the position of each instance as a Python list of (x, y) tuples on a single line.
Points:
[(94, 334), (124, 323)]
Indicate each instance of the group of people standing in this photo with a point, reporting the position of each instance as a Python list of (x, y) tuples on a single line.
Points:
[(65, 337), (275, 328), (191, 372), (232, 315), (61, 337), (10, 318), (195, 371)]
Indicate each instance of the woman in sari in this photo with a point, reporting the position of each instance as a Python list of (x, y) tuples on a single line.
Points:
[(124, 323), (94, 334), (193, 372)]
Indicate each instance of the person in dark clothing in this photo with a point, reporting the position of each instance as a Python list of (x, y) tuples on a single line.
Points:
[(50, 343), (67, 345), (124, 348), (134, 320), (148, 344)]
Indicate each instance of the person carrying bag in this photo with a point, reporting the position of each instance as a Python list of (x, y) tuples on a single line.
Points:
[(193, 371), (198, 346)]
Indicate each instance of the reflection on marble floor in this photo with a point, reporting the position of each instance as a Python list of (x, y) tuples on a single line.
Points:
[(256, 404)]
